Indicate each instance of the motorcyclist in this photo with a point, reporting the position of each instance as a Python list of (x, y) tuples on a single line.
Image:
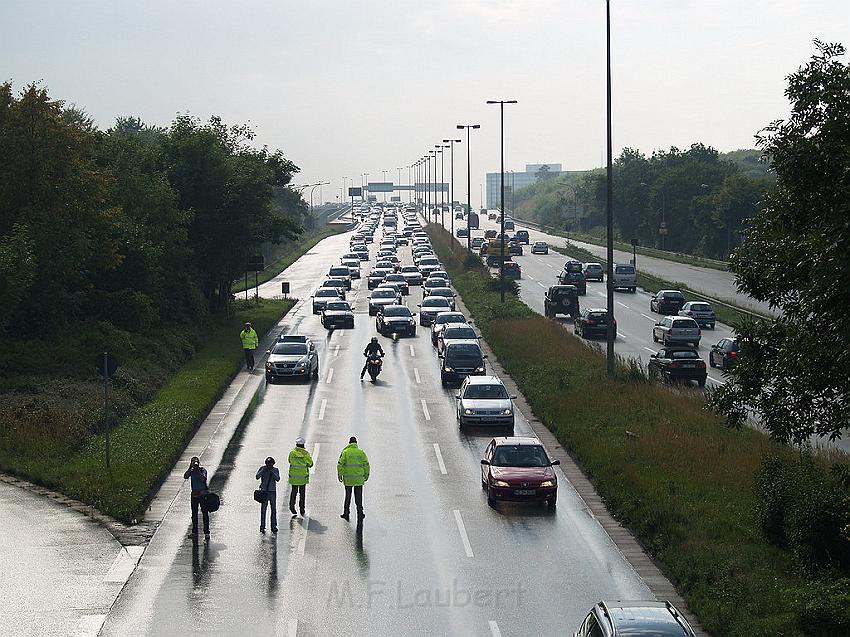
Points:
[(373, 348)]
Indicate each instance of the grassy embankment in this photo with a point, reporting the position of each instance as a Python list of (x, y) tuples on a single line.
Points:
[(683, 482), (650, 283), (55, 439), (291, 254)]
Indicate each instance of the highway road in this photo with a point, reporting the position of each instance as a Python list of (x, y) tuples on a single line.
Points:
[(431, 558), (718, 284)]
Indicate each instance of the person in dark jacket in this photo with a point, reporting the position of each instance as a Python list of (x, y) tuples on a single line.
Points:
[(269, 476), (374, 347), (198, 482)]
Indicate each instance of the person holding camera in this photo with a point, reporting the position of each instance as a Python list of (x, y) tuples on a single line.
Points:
[(268, 475), (198, 482)]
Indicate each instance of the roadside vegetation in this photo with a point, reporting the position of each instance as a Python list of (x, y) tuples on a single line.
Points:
[(127, 241), (712, 504)]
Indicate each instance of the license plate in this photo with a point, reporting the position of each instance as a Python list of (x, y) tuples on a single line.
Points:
[(525, 492), (688, 365)]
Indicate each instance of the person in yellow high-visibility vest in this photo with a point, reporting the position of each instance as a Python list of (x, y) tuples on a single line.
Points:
[(353, 471), (300, 462), (250, 342)]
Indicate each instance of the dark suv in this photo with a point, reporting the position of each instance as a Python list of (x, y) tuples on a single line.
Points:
[(667, 302), (459, 360), (652, 619), (573, 278), (561, 299)]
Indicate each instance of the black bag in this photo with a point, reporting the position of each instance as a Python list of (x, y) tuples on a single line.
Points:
[(212, 501), (261, 496)]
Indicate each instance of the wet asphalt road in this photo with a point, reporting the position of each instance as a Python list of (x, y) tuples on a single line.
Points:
[(431, 558)]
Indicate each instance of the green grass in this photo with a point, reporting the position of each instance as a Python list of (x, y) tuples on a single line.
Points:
[(148, 440), (293, 253), (727, 315), (679, 479)]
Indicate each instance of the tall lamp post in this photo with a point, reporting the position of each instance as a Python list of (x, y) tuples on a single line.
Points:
[(501, 104), (451, 143), (427, 187), (432, 154), (609, 198), (468, 128), (440, 148)]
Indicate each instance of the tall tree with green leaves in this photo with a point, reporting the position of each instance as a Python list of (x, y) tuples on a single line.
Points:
[(796, 256)]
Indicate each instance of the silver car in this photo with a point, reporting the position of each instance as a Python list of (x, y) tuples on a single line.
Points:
[(676, 329), (484, 401), (287, 359), (701, 312)]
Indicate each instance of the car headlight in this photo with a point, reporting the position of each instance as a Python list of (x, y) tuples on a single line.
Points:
[(499, 483), (479, 369), (269, 366), (507, 412), (449, 369), (547, 483), (468, 412), (302, 364)]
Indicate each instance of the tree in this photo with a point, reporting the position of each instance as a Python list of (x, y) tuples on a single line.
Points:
[(794, 372)]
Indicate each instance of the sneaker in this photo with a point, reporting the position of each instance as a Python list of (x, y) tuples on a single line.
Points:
[(361, 515), (345, 517), (274, 530), (292, 511), (302, 513), (262, 530)]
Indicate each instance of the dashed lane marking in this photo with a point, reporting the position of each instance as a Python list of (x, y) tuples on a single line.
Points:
[(322, 408), (494, 629), (623, 305), (649, 350), (412, 351), (467, 547), (425, 410), (647, 317), (336, 350), (416, 376), (330, 376), (440, 459), (540, 284)]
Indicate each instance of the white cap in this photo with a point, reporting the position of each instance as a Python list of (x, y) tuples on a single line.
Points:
[(299, 442)]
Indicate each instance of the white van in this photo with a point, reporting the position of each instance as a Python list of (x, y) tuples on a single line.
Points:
[(625, 277)]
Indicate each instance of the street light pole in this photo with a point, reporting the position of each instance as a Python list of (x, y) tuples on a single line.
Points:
[(433, 155), (440, 148), (609, 197), (501, 104), (452, 143), (468, 128)]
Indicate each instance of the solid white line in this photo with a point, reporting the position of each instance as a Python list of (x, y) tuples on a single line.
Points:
[(292, 627), (412, 351), (649, 350), (330, 376), (336, 350), (322, 408), (463, 536), (494, 629), (425, 410), (416, 375), (316, 449), (647, 317), (440, 459), (89, 625), (540, 284), (624, 305), (716, 382), (302, 544)]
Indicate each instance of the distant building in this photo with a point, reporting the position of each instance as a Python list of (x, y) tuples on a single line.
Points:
[(514, 181)]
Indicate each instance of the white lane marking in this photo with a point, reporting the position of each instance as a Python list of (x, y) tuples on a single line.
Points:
[(540, 284), (623, 305), (494, 629), (440, 459), (322, 408), (711, 380), (292, 627), (625, 337), (549, 265), (89, 625), (330, 376), (467, 547), (649, 350), (412, 351), (336, 350), (425, 410), (530, 277), (124, 564), (647, 317), (316, 449), (601, 293), (416, 376), (302, 544)]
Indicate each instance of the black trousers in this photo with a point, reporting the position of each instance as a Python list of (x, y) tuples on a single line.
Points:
[(199, 501), (249, 358), (297, 490), (358, 499)]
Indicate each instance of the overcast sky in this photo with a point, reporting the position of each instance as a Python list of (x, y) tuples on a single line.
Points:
[(345, 87)]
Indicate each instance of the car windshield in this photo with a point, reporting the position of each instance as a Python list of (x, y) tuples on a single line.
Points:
[(454, 333), (484, 392), (328, 293), (463, 350), (673, 296), (383, 294), (593, 266), (410, 268), (395, 277), (290, 349), (573, 266), (396, 311), (339, 272), (624, 269), (379, 272), (520, 456), (439, 302), (684, 323), (336, 306), (449, 317), (700, 307), (538, 244), (684, 354), (429, 261)]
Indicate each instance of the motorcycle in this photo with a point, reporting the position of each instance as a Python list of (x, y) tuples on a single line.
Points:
[(373, 365)]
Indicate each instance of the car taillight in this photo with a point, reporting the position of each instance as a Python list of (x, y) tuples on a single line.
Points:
[(674, 365), (591, 322), (733, 353), (701, 365)]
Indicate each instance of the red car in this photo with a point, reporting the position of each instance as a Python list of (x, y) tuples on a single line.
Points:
[(518, 469), (512, 270)]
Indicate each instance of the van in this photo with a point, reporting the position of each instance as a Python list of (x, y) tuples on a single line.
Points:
[(625, 277)]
